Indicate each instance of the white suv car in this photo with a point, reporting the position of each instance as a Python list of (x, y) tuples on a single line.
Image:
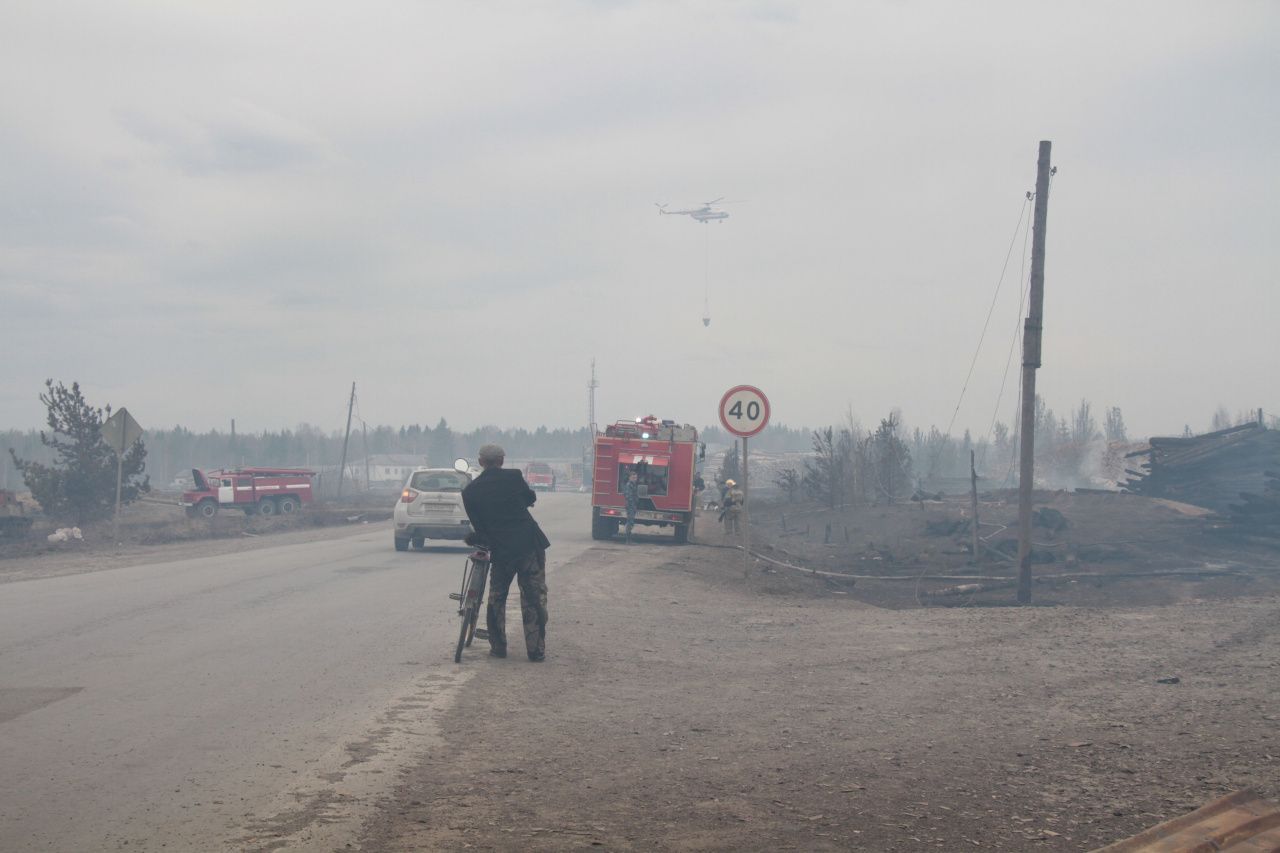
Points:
[(430, 507)]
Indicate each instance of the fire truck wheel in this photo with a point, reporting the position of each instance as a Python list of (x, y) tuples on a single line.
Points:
[(682, 534), (288, 506), (600, 528), (207, 509), (266, 507), (402, 544)]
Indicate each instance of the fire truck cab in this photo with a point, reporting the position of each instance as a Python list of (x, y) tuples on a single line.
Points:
[(256, 491), (540, 476), (665, 456)]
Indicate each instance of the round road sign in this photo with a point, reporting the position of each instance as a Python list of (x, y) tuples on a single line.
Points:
[(744, 410)]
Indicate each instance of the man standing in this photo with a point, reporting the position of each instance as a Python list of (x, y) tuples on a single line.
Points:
[(731, 508), (497, 502), (631, 492)]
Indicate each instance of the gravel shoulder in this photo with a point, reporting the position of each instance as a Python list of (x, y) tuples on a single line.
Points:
[(682, 707)]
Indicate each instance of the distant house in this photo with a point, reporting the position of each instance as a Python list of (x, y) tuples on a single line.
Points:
[(395, 467)]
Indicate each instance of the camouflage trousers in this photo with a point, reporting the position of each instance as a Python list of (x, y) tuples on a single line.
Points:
[(530, 572), (731, 521)]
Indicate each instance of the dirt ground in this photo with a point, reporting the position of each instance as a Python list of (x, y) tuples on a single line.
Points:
[(683, 707)]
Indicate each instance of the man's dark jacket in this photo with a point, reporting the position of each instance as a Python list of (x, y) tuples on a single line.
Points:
[(497, 502)]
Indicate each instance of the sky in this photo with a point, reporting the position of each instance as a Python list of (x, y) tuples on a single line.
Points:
[(235, 210)]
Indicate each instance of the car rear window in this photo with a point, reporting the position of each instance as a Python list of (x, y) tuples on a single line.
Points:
[(439, 481)]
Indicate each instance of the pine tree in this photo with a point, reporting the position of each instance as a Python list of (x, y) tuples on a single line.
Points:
[(441, 452), (1114, 425), (890, 459), (824, 473), (729, 469), (788, 480), (80, 484)]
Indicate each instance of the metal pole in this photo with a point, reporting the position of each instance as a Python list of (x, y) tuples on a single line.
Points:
[(1031, 339), (746, 539), (591, 397), (342, 468)]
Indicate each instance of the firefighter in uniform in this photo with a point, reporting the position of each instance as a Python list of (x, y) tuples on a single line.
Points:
[(631, 492), (497, 502), (731, 508)]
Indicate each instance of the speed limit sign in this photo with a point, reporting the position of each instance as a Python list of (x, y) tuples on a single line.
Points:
[(744, 410)]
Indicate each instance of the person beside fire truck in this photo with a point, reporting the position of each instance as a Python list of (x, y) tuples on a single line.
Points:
[(631, 493), (497, 502), (731, 508)]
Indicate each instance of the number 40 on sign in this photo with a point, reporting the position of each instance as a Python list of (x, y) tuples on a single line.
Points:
[(744, 410)]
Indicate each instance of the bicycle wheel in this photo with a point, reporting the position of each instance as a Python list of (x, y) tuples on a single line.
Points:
[(473, 617), (462, 637), (479, 603)]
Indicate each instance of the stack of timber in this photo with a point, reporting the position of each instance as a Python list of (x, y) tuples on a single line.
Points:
[(1257, 515), (1218, 471)]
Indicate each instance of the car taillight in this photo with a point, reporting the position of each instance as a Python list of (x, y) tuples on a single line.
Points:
[(407, 496)]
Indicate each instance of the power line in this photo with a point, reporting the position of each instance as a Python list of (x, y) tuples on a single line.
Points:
[(1022, 212), (1017, 333)]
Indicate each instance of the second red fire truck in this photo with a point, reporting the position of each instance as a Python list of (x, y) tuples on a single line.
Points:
[(256, 491), (540, 476), (665, 457)]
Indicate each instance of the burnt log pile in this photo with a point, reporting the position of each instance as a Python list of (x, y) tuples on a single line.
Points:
[(1231, 471), (1257, 515)]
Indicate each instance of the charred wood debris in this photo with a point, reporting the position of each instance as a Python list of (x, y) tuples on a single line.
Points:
[(1235, 472)]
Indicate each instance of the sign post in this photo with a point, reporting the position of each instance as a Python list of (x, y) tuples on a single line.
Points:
[(744, 412), (120, 431)]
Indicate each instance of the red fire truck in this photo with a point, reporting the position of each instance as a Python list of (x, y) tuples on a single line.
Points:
[(540, 476), (260, 491), (665, 456)]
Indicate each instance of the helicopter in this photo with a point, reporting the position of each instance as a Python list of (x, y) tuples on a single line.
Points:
[(703, 214)]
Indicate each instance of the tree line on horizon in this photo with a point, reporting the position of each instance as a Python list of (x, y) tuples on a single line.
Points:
[(886, 461), (850, 464)]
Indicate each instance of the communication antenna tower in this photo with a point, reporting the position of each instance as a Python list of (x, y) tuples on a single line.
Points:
[(591, 397)]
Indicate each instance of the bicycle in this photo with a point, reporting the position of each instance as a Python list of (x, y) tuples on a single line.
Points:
[(475, 574)]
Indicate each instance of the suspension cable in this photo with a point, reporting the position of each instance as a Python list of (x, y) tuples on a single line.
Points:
[(1022, 212)]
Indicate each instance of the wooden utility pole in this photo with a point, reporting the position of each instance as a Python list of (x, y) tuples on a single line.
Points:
[(1031, 340), (973, 503), (342, 468), (364, 435)]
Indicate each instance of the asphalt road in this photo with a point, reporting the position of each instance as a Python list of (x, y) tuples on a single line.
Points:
[(255, 700)]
